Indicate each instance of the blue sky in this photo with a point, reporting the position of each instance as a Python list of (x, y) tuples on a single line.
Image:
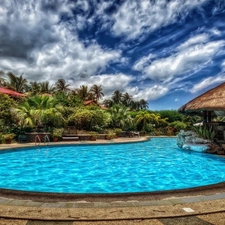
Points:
[(165, 51)]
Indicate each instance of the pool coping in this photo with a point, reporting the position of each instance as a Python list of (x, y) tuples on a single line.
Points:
[(210, 197)]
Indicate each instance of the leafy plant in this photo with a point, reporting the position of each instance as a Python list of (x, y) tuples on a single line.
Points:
[(1, 139), (93, 134), (205, 132), (118, 131), (57, 132), (8, 136), (110, 134), (178, 125), (169, 130)]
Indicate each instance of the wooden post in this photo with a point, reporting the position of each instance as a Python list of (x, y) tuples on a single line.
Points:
[(209, 116), (204, 116)]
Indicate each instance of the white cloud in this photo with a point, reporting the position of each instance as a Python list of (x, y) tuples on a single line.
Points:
[(85, 16), (34, 41), (135, 18), (143, 62), (72, 58), (223, 65), (208, 82), (151, 93), (197, 39), (188, 60), (215, 31), (122, 82), (109, 82)]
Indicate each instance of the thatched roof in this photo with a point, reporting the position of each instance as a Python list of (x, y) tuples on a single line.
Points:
[(212, 100)]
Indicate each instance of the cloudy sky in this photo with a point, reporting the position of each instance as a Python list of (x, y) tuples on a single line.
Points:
[(165, 51)]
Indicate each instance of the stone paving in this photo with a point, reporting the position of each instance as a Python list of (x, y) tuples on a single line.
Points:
[(199, 209)]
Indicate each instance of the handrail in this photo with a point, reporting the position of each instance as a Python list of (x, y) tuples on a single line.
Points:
[(37, 139), (46, 139)]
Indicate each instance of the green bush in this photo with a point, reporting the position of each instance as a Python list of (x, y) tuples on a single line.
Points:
[(118, 131), (93, 134), (1, 138), (57, 132), (205, 132), (8, 136), (178, 125)]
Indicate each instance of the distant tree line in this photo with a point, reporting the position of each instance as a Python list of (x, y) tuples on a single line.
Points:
[(57, 106)]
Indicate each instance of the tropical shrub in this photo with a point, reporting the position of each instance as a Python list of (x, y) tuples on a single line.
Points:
[(191, 120), (144, 118), (93, 134), (1, 138), (86, 119), (171, 115), (205, 132), (57, 132), (5, 104), (67, 100), (120, 117), (8, 136), (118, 131), (178, 125), (38, 110), (149, 128), (110, 134)]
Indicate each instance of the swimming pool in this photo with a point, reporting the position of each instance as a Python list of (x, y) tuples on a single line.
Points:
[(153, 165)]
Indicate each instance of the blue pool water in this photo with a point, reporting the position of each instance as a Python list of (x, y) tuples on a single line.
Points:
[(114, 168)]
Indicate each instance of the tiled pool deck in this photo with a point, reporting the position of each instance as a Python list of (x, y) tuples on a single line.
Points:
[(207, 206)]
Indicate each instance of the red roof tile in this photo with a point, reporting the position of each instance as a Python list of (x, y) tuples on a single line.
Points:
[(10, 92)]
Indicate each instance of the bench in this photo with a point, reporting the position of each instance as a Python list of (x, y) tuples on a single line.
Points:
[(70, 138), (133, 134), (22, 138)]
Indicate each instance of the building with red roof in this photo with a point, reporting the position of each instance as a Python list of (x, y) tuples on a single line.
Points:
[(11, 93), (93, 102)]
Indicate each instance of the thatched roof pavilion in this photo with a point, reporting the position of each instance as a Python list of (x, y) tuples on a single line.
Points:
[(212, 100), (208, 104)]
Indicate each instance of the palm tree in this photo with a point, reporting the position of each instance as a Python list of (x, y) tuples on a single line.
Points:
[(143, 104), (108, 103), (38, 110), (62, 86), (119, 116), (35, 87), (15, 83), (144, 118), (97, 92), (2, 79), (126, 99), (25, 115), (45, 88), (135, 105), (83, 92), (117, 97)]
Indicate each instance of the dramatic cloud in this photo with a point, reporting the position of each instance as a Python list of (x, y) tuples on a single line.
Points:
[(109, 82), (137, 18), (45, 47), (151, 93), (210, 81), (190, 58), (193, 41)]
